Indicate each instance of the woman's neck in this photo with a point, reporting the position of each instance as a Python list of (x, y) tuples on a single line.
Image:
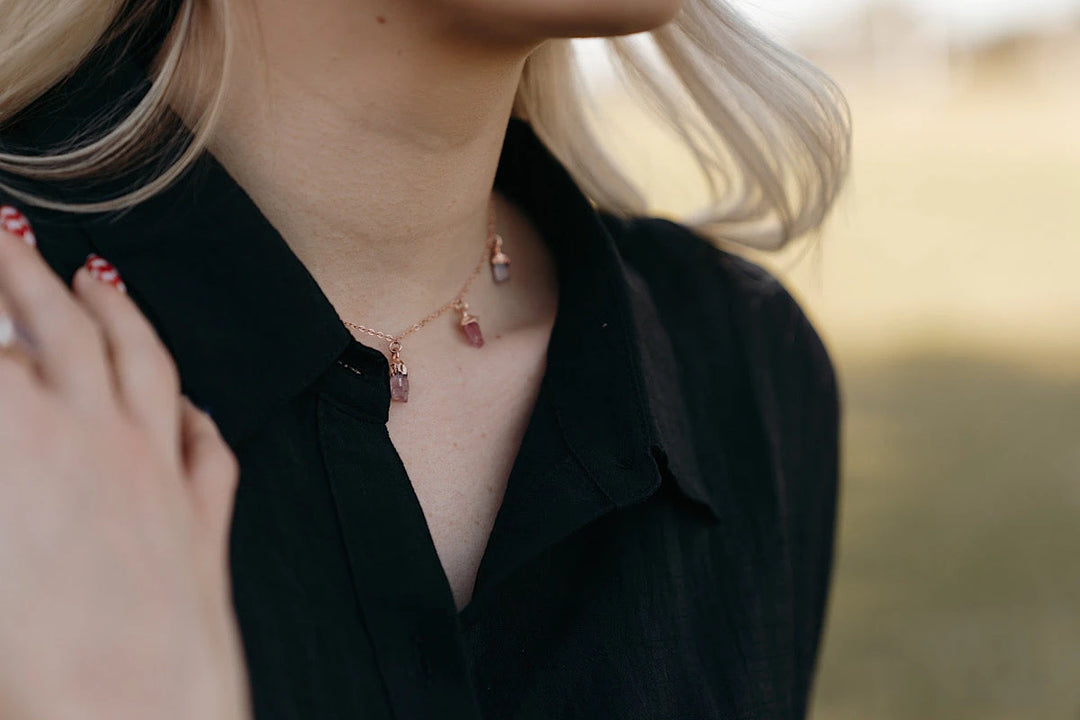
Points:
[(370, 139)]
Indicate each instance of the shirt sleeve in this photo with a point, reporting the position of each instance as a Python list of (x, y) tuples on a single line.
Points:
[(797, 392), (793, 392)]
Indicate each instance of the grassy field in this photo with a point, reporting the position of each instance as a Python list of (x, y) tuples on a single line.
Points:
[(957, 588), (947, 287)]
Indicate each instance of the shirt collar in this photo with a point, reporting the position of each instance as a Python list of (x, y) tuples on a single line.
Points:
[(216, 279), (625, 420)]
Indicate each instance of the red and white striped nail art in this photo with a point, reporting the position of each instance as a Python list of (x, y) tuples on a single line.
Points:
[(103, 270), (16, 223)]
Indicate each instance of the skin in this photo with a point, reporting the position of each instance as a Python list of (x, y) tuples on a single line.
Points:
[(389, 116), (104, 459)]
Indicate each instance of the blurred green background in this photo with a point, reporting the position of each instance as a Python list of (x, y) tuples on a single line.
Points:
[(947, 286)]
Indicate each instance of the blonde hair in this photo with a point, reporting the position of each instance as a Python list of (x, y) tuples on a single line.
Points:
[(769, 131)]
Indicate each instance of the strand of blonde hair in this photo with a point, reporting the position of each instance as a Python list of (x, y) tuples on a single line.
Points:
[(769, 132)]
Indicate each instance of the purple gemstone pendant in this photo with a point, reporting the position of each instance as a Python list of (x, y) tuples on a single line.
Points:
[(500, 262), (399, 374), (399, 386)]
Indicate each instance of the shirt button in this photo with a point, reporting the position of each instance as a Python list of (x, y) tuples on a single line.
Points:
[(358, 383)]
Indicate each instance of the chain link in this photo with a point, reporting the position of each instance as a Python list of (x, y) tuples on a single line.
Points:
[(458, 302)]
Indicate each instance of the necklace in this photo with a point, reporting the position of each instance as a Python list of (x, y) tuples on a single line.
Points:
[(469, 324)]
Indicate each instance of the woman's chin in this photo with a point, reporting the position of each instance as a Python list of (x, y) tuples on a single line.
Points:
[(564, 18)]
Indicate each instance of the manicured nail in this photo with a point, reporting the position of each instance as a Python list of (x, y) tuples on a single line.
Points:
[(103, 270), (16, 223)]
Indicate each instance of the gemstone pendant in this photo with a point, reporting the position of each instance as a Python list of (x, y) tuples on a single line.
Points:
[(399, 374), (471, 327), (500, 262), (469, 324), (399, 382)]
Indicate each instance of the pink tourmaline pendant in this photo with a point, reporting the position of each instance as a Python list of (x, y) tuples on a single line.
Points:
[(471, 328)]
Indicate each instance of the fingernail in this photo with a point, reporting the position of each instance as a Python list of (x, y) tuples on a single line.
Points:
[(16, 223), (103, 270)]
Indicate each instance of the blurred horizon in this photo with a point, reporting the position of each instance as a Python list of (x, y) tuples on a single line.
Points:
[(966, 20)]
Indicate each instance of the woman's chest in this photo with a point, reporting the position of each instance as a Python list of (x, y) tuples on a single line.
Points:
[(458, 437), (582, 609)]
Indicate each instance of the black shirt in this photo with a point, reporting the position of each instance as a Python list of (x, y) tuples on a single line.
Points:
[(663, 549)]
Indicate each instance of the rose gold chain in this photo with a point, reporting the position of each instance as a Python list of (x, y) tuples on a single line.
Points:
[(458, 301)]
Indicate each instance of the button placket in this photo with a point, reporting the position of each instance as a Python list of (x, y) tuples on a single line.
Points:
[(397, 577)]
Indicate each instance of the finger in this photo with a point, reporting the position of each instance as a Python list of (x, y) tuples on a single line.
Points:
[(70, 348), (20, 391), (212, 469), (15, 345), (18, 381), (143, 373)]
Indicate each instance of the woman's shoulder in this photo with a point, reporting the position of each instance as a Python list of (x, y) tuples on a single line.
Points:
[(758, 383), (701, 289), (657, 248)]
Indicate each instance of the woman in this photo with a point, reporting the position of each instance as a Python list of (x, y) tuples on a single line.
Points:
[(508, 447)]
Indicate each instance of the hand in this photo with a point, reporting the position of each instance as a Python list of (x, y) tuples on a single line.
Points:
[(115, 501)]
